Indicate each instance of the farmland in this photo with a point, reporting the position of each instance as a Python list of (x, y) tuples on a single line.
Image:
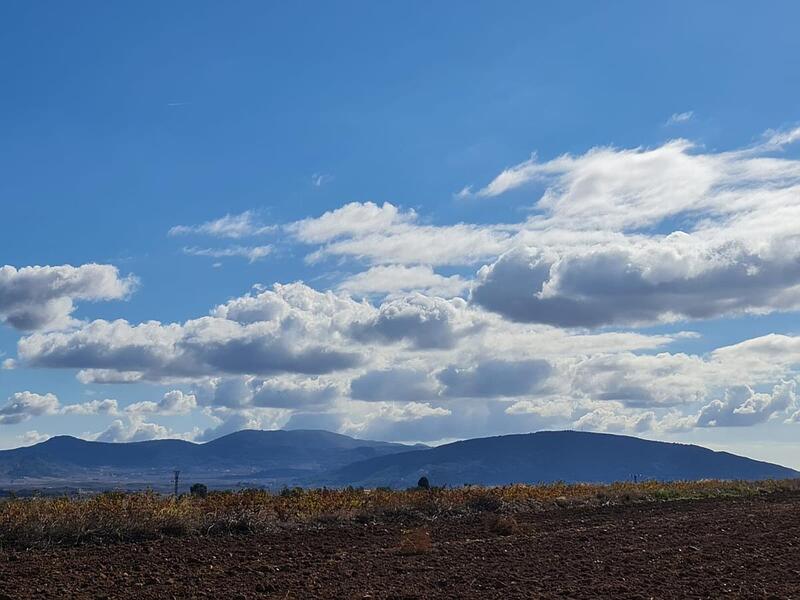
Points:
[(622, 540)]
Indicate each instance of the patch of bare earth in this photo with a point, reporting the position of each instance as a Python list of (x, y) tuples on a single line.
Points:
[(745, 547)]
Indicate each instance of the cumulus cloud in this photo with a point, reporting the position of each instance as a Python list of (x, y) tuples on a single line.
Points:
[(395, 279), (109, 406), (494, 378), (351, 220), (174, 402), (34, 298), (411, 411), (296, 395), (303, 335), (238, 226), (643, 381), (231, 420), (633, 284), (108, 376), (396, 384), (29, 438), (595, 251), (21, 406), (606, 418), (741, 406), (133, 430), (286, 392), (424, 322), (763, 357)]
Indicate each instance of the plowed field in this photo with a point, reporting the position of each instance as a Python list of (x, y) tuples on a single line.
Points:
[(745, 547)]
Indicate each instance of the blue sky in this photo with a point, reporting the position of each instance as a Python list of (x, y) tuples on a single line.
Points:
[(120, 123)]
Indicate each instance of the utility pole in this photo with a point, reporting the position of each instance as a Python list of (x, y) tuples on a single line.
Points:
[(177, 474)]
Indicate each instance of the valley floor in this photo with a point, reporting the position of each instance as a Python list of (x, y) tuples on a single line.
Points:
[(741, 547)]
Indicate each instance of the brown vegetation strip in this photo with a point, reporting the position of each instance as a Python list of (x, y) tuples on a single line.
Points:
[(747, 546), (113, 517)]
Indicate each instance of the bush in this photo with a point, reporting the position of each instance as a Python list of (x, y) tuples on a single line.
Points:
[(485, 501), (501, 525), (423, 483), (199, 490)]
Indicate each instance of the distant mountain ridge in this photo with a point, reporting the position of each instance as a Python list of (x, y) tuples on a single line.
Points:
[(247, 454), (316, 457), (547, 456)]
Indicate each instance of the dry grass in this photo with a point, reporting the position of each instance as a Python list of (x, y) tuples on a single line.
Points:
[(121, 516), (501, 524)]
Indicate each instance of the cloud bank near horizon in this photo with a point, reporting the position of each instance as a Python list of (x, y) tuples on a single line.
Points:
[(454, 330)]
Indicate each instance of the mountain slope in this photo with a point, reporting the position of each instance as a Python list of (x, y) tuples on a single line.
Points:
[(313, 458), (547, 456), (248, 455)]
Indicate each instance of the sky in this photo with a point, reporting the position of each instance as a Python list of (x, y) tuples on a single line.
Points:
[(411, 222)]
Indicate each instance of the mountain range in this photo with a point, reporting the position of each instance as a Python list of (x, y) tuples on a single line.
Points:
[(274, 459)]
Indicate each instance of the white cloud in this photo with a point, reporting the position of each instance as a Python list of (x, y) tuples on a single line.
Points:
[(351, 220), (251, 253), (108, 376), (624, 189), (387, 235), (302, 334), (133, 430), (411, 411), (778, 139), (284, 392), (395, 384), (606, 418), (231, 420), (34, 298), (21, 406), (646, 380), (320, 179), (108, 406), (495, 378), (681, 117), (762, 358), (618, 238), (667, 279), (288, 329), (395, 279), (174, 402), (424, 322), (230, 226), (29, 438), (741, 406)]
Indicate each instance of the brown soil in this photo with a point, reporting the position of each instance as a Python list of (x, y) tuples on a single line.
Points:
[(689, 549)]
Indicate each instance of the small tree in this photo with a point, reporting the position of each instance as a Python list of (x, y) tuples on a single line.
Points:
[(199, 490), (423, 483)]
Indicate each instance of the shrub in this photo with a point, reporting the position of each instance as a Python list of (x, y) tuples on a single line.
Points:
[(199, 490), (484, 501), (501, 525), (423, 483)]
